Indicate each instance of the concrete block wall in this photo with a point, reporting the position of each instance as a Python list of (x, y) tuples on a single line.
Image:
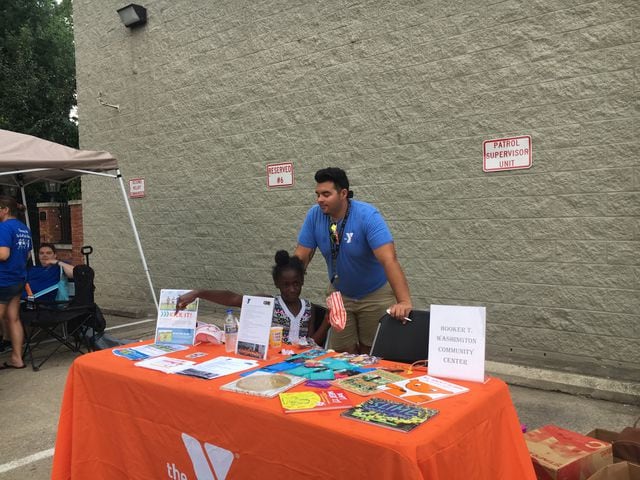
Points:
[(401, 94)]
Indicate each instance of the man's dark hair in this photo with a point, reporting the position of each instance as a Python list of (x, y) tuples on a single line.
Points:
[(48, 245), (335, 175)]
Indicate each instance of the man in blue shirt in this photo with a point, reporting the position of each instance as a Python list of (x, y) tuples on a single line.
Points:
[(361, 259)]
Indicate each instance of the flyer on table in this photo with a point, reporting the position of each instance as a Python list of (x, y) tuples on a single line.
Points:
[(176, 326), (255, 326)]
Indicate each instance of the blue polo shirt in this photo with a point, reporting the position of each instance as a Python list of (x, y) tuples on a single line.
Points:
[(17, 237), (359, 272)]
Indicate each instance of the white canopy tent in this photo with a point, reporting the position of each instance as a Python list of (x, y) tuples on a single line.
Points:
[(25, 159)]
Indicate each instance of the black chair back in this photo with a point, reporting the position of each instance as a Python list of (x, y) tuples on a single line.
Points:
[(400, 342)]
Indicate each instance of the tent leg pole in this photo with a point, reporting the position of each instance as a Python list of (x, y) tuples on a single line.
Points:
[(26, 217), (135, 234)]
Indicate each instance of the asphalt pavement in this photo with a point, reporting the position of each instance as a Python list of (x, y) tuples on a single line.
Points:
[(31, 404)]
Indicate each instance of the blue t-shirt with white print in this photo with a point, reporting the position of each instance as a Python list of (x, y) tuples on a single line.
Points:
[(17, 237), (359, 272)]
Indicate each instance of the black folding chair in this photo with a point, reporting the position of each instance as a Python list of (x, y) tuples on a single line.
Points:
[(72, 324), (406, 343), (319, 313)]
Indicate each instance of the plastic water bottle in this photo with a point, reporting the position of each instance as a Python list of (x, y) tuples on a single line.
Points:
[(230, 332)]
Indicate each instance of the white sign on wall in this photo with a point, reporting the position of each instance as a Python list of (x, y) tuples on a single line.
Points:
[(506, 153), (280, 174), (136, 188)]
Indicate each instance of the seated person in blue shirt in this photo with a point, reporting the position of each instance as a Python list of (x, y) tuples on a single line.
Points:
[(48, 273)]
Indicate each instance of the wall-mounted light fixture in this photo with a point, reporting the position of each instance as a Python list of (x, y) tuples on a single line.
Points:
[(133, 15)]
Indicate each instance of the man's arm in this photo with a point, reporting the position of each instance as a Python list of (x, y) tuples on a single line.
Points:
[(4, 253), (386, 255), (304, 253), (222, 297)]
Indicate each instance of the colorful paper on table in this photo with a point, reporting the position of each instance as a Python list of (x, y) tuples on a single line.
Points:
[(367, 383), (311, 373), (390, 414), (313, 353), (175, 326), (263, 384), (141, 352), (164, 364), (423, 389), (293, 402), (218, 367), (279, 367)]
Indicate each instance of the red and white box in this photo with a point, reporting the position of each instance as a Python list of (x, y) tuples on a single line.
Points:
[(560, 454)]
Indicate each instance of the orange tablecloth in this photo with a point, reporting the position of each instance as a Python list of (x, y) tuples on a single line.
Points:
[(120, 421)]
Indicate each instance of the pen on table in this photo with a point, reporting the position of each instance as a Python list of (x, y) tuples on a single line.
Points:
[(404, 318)]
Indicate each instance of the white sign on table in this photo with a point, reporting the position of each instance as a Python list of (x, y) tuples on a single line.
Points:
[(506, 153), (255, 326), (457, 342)]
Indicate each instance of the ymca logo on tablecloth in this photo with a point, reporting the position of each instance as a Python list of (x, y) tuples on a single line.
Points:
[(210, 462)]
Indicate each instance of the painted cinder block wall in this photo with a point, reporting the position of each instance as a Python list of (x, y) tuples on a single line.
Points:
[(400, 94)]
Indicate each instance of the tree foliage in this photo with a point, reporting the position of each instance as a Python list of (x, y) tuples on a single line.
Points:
[(37, 69)]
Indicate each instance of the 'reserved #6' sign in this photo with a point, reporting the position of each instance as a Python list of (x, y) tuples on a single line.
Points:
[(506, 153)]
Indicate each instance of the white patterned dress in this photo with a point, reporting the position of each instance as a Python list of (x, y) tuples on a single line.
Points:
[(295, 326)]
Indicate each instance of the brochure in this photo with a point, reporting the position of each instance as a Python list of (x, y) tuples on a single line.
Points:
[(164, 364), (390, 414), (423, 389), (175, 327), (332, 399), (217, 367), (255, 326), (367, 383), (147, 351), (263, 384)]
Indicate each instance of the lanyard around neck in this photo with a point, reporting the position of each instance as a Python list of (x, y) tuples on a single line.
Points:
[(335, 237)]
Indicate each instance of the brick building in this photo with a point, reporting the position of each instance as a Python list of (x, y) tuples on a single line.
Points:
[(402, 95)]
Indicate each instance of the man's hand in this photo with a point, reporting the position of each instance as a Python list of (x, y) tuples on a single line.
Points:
[(400, 310), (186, 299)]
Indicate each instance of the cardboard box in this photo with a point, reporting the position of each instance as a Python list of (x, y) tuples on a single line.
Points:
[(625, 447), (618, 471), (560, 454), (607, 436)]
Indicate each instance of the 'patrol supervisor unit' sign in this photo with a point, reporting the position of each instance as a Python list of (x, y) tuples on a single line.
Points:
[(506, 153)]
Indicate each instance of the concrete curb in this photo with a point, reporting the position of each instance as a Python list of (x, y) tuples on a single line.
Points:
[(619, 391)]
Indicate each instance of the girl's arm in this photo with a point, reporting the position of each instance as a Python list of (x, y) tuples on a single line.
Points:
[(319, 336), (223, 297)]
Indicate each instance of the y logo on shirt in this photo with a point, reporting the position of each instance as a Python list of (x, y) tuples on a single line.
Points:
[(349, 236), (210, 462)]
